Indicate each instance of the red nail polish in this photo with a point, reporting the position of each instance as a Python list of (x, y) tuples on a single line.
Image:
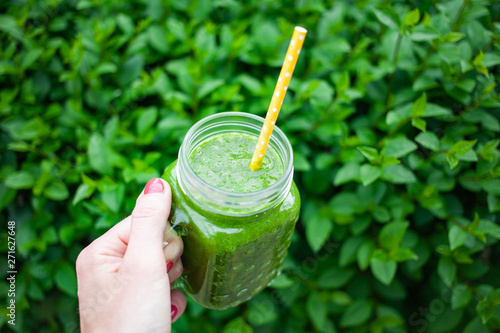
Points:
[(154, 185), (169, 266), (173, 311)]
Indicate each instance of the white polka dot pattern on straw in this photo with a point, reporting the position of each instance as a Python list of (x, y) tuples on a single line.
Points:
[(286, 73)]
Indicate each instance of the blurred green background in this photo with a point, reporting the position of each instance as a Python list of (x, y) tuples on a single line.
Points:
[(393, 113)]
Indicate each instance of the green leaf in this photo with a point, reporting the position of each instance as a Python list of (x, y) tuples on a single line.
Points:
[(491, 186), (158, 38), (67, 234), (209, 86), (484, 311), (111, 128), (317, 311), (370, 173), (419, 106), (486, 307), (476, 326), (412, 18), (261, 313), (104, 68), (113, 199), (391, 235), (99, 154), (125, 23), (388, 16), (20, 146), (8, 25), (357, 313), (146, 120), (343, 83), (452, 160), (462, 147), (469, 156), (493, 203), (250, 83), (56, 191), (347, 173), (456, 237), (390, 160), (478, 58), (384, 271), (489, 228), (318, 229), (300, 162), (370, 153), (341, 298), (419, 123), (364, 254), (237, 325), (435, 110), (399, 147), (447, 270), (398, 174), (131, 69), (461, 296), (428, 140), (475, 223), (491, 59), (20, 180), (403, 254), (424, 33), (65, 278), (282, 281), (381, 214), (82, 192), (453, 37), (335, 277), (30, 57), (6, 196), (348, 250), (488, 149)]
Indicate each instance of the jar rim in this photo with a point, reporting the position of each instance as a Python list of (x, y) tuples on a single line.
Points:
[(271, 194)]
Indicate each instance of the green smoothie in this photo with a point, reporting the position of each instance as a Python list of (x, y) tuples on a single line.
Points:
[(229, 258), (223, 162)]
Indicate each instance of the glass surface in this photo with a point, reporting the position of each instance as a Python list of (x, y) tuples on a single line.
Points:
[(235, 242)]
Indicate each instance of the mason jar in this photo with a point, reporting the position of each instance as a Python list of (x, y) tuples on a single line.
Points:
[(234, 243)]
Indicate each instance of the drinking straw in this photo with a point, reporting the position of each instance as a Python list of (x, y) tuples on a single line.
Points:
[(292, 54)]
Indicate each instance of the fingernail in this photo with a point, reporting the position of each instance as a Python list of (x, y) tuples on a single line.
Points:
[(173, 311), (154, 185), (169, 266)]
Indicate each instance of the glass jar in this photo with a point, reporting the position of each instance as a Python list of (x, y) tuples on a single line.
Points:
[(234, 243)]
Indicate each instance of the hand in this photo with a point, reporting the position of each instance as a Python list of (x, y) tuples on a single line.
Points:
[(123, 283)]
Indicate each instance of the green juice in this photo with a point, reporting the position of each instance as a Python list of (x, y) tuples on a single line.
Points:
[(229, 257), (223, 162)]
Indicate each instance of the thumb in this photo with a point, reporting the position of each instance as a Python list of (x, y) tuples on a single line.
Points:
[(148, 222)]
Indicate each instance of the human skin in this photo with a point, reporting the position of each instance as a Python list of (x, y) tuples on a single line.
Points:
[(123, 283)]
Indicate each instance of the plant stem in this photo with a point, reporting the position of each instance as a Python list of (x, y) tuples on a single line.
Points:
[(456, 23), (398, 126), (395, 57)]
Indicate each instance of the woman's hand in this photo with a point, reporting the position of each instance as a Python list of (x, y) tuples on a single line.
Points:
[(125, 276)]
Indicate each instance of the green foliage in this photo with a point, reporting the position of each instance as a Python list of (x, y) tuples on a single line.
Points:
[(393, 113)]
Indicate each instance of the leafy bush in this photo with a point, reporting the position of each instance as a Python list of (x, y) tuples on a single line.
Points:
[(393, 113)]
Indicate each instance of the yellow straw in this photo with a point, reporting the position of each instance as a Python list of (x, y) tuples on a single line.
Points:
[(299, 34)]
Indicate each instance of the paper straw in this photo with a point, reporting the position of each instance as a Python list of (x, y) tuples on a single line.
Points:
[(299, 34)]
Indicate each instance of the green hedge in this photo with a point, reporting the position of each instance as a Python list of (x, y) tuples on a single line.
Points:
[(393, 113)]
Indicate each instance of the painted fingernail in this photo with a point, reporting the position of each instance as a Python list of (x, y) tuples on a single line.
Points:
[(169, 266), (154, 185), (173, 311)]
